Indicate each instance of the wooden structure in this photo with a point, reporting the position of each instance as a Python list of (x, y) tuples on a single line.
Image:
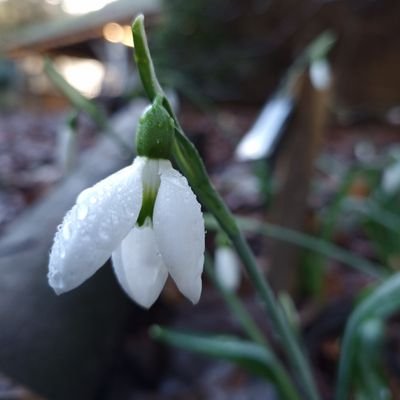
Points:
[(69, 34)]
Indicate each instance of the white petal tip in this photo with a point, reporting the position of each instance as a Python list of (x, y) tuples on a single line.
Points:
[(194, 302), (143, 300), (59, 282), (58, 289), (145, 305), (54, 283), (193, 291)]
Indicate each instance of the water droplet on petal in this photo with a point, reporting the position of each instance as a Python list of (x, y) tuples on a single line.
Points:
[(82, 212), (103, 235), (82, 196), (93, 200), (62, 253), (66, 231)]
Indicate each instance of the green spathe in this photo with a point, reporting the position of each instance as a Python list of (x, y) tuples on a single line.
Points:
[(155, 132)]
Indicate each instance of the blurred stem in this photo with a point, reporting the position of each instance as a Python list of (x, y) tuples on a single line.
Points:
[(251, 356), (193, 168), (80, 102), (288, 338), (311, 243), (368, 360), (330, 219), (380, 304), (282, 380), (307, 242), (372, 210), (236, 306)]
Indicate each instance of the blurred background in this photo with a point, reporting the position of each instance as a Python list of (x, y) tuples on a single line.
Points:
[(295, 109)]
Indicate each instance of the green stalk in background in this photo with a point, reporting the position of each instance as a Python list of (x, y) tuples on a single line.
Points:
[(236, 306), (279, 377), (251, 356), (371, 383), (380, 304), (81, 103), (309, 242), (190, 163)]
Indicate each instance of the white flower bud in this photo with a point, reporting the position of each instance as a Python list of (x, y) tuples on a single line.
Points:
[(227, 268)]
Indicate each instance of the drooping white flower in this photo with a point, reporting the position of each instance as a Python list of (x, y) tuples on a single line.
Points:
[(227, 268), (147, 217), (391, 178)]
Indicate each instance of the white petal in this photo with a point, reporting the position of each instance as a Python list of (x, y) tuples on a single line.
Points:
[(179, 230), (139, 267), (93, 228)]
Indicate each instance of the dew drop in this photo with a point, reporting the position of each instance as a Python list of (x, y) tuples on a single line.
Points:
[(114, 219), (103, 235), (82, 212), (82, 196), (62, 253), (66, 231), (93, 200)]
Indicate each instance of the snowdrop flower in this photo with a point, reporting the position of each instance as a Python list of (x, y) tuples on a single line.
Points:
[(145, 216), (391, 178), (227, 268)]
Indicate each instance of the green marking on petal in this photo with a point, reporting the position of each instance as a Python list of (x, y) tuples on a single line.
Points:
[(149, 199), (151, 184)]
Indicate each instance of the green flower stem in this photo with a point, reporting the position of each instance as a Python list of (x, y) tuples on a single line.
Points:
[(190, 163), (143, 60)]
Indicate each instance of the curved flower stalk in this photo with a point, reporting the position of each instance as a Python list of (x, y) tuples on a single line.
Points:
[(189, 161), (147, 217)]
